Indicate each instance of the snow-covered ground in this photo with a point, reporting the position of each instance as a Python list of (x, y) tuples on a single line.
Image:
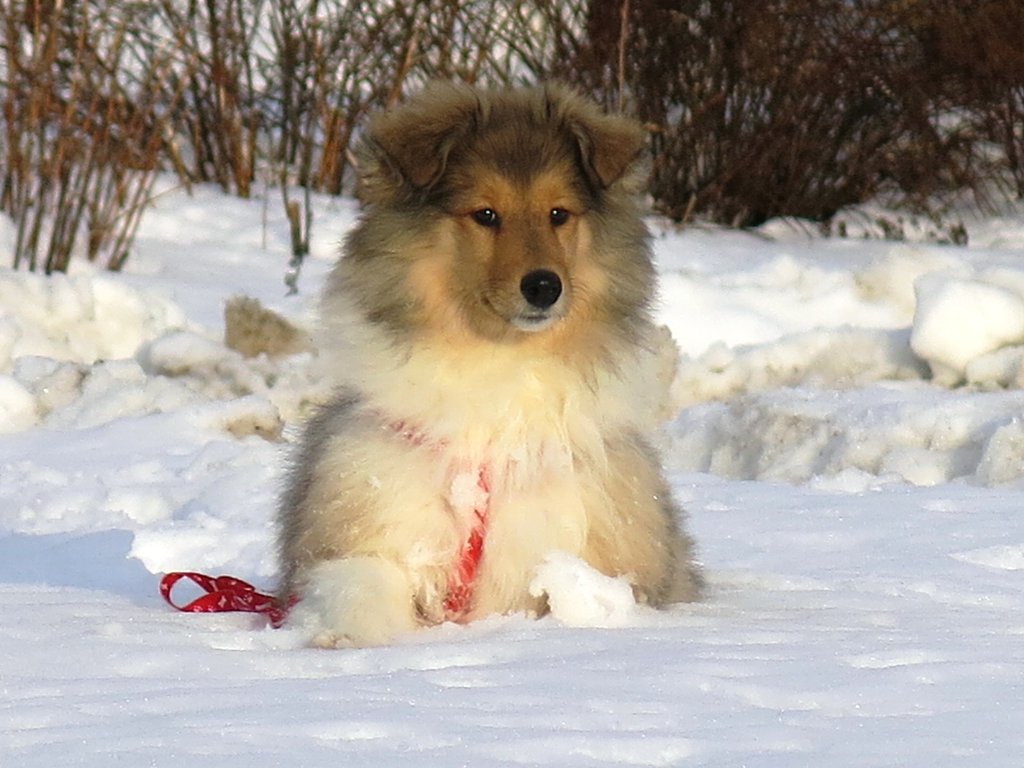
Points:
[(849, 444)]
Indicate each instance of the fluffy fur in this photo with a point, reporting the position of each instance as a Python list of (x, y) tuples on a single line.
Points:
[(449, 366)]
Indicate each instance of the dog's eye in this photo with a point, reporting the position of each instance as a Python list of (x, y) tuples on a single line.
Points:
[(487, 217), (558, 216)]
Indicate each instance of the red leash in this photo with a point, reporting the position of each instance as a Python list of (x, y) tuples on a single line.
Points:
[(225, 594)]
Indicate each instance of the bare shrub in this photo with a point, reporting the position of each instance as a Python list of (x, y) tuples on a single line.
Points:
[(790, 107), (220, 113), (99, 95), (331, 63), (83, 112), (795, 107), (973, 50)]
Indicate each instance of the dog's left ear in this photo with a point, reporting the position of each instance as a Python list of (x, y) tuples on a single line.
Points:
[(609, 144)]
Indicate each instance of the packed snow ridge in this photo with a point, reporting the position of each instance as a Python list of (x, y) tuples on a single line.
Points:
[(928, 336)]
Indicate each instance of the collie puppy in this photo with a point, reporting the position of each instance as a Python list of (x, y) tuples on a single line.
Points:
[(488, 327)]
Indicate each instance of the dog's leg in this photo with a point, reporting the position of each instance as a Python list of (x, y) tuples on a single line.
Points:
[(354, 602), (637, 530)]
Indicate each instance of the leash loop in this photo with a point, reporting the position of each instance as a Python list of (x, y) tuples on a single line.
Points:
[(225, 594)]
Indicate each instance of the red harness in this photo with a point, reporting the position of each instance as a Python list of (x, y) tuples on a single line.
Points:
[(462, 578), (224, 594)]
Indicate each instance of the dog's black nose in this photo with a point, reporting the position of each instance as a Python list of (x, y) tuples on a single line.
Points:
[(541, 288)]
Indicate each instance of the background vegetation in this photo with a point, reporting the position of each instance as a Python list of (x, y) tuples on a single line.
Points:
[(756, 108)]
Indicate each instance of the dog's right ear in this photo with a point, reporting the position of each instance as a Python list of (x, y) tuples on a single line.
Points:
[(407, 148)]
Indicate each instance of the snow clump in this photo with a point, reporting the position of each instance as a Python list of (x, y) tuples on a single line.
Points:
[(959, 319), (580, 596)]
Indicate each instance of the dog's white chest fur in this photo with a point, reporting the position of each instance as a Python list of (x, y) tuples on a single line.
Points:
[(515, 440)]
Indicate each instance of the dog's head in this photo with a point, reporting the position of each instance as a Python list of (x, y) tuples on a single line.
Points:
[(518, 186)]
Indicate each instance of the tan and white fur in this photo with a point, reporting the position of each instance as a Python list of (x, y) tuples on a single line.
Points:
[(489, 317)]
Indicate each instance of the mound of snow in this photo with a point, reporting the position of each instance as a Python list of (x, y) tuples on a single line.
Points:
[(79, 352), (216, 372), (845, 357), (67, 342), (80, 319), (17, 406), (580, 596), (888, 432), (746, 300), (959, 319), (892, 276)]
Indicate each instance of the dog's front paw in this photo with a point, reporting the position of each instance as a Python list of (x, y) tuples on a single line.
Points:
[(329, 640), (354, 602)]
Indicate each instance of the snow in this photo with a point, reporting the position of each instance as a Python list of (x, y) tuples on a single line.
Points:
[(467, 493), (580, 596), (848, 439), (949, 337)]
